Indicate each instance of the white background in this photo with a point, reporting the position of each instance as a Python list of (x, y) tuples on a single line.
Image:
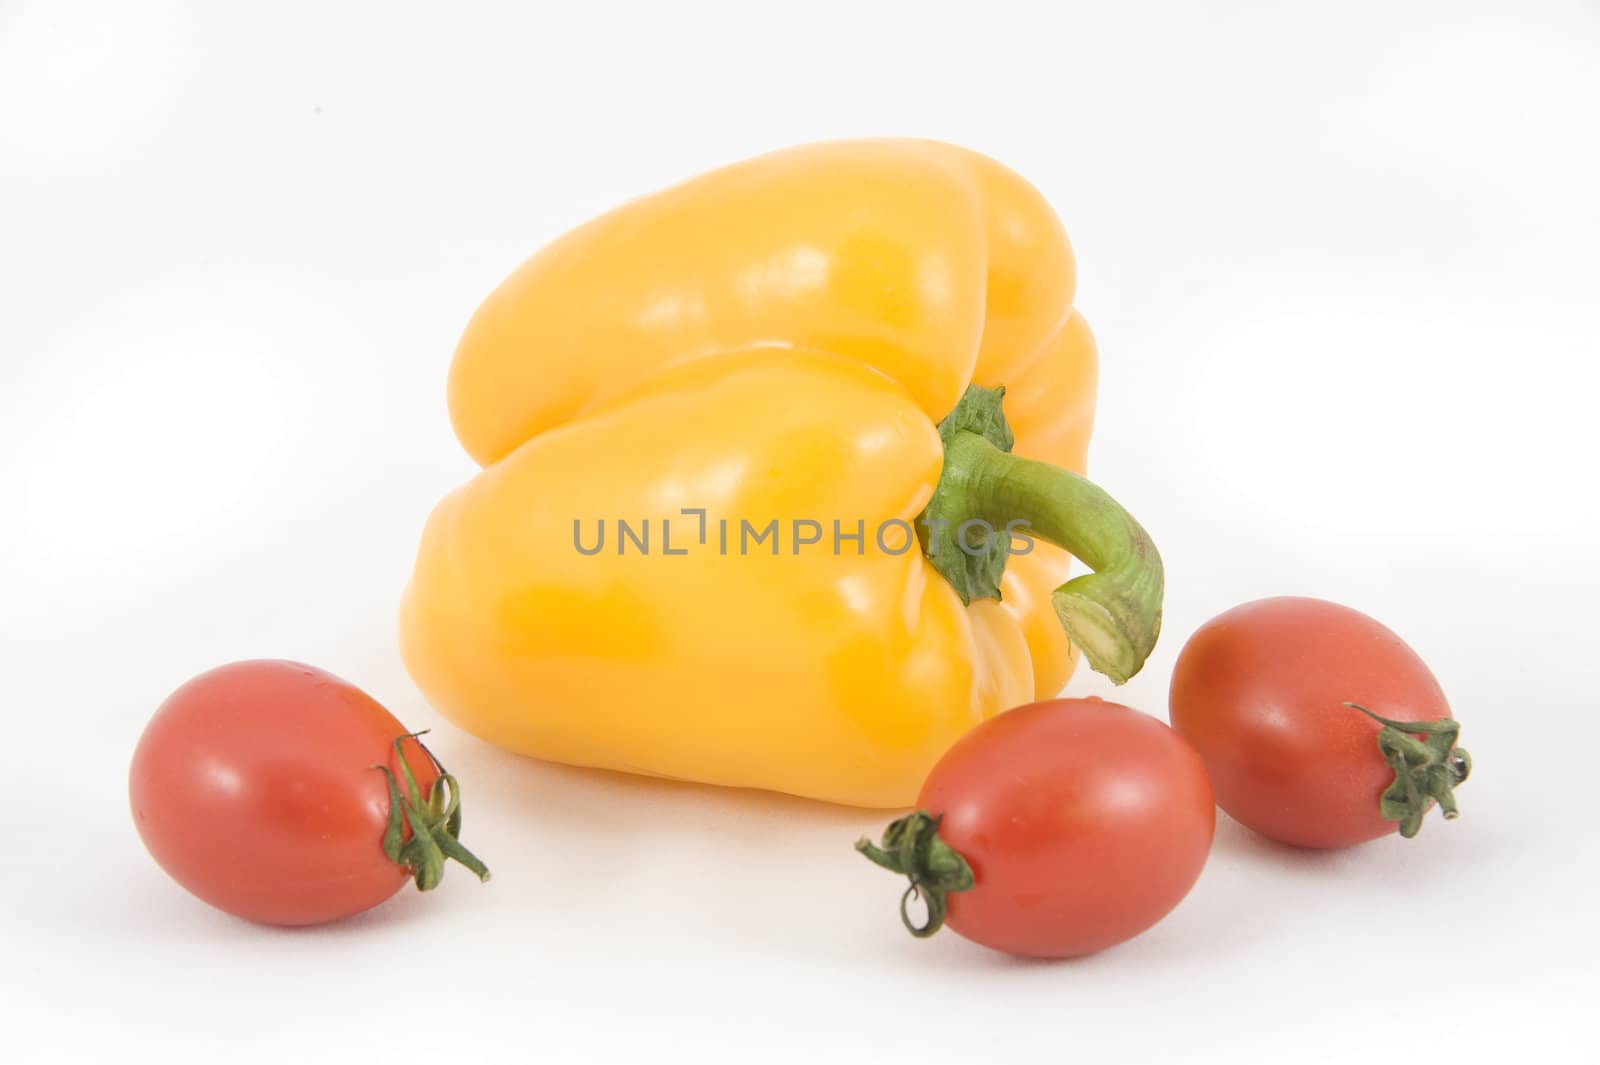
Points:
[(1342, 263)]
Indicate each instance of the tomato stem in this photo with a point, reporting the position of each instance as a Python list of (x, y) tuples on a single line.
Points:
[(986, 496), (435, 822), (912, 848), (1426, 771)]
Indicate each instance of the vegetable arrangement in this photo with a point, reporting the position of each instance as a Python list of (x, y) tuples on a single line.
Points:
[(814, 425), (1062, 828)]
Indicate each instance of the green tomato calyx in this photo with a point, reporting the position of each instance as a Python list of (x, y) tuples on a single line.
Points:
[(1426, 771), (435, 822), (912, 848)]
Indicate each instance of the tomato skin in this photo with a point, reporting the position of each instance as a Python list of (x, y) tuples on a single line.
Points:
[(1085, 822), (1260, 692), (253, 786)]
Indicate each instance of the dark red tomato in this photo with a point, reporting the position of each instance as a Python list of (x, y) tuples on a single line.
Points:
[(1261, 691), (254, 787), (1083, 823)]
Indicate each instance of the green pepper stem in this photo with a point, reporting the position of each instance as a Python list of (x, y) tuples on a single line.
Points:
[(1114, 613)]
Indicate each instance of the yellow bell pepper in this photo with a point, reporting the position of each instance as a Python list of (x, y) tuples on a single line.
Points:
[(709, 423)]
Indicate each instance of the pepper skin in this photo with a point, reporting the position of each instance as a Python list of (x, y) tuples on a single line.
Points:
[(774, 340)]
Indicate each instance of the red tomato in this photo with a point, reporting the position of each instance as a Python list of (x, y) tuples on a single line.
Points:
[(1261, 692), (1083, 823), (255, 787)]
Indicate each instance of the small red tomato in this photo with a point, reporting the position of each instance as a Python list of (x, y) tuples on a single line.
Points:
[(1054, 830), (257, 787), (1319, 726)]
